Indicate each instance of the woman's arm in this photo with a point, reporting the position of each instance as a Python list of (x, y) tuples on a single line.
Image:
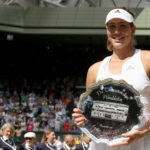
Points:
[(92, 74), (91, 78)]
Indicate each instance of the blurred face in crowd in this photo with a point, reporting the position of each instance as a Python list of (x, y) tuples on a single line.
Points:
[(30, 141), (51, 137), (70, 140), (7, 132)]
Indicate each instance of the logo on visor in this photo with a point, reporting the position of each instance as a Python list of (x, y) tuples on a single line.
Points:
[(117, 11)]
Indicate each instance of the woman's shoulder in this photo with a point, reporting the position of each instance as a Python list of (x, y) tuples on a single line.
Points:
[(145, 54), (145, 51), (92, 73), (95, 66), (93, 69)]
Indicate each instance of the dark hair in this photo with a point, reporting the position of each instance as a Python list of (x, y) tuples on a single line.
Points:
[(126, 9)]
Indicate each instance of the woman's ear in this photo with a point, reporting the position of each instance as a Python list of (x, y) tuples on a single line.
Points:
[(133, 29)]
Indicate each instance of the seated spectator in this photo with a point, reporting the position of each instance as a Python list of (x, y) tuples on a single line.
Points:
[(49, 140), (30, 125), (69, 143), (66, 126), (6, 141), (18, 133), (30, 142)]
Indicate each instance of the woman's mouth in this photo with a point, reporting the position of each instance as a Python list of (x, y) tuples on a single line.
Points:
[(118, 39)]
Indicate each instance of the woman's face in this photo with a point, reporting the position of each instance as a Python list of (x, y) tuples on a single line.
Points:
[(7, 132), (51, 137), (120, 33)]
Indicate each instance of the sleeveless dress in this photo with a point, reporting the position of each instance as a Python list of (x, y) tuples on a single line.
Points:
[(134, 74)]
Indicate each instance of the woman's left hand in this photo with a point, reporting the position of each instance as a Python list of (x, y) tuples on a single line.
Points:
[(133, 136)]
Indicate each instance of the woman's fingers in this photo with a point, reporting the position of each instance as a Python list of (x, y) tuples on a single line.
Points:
[(77, 110), (82, 118), (76, 115), (80, 121), (135, 134), (79, 117), (130, 137), (81, 124), (125, 142)]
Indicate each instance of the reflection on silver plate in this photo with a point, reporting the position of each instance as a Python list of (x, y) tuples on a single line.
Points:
[(112, 108)]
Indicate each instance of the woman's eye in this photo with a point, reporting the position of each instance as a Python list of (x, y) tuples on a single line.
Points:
[(111, 27), (123, 26)]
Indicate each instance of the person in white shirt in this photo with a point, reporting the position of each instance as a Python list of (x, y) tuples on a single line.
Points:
[(126, 64)]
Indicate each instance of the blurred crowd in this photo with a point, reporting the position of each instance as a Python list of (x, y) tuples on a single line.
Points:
[(39, 105), (49, 141)]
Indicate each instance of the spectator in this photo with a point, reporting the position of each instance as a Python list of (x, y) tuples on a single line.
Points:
[(66, 126), (69, 143), (48, 140), (30, 125), (6, 141), (18, 133), (30, 142)]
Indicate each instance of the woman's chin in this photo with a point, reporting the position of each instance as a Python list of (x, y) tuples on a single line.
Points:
[(118, 46)]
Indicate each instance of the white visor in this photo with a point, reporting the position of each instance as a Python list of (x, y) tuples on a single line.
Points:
[(30, 135), (121, 14)]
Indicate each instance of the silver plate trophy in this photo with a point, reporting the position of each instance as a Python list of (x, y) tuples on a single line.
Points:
[(112, 108)]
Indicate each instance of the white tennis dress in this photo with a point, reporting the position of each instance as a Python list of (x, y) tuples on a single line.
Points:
[(134, 74)]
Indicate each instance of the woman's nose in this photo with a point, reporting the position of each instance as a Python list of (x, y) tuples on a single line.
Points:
[(117, 30)]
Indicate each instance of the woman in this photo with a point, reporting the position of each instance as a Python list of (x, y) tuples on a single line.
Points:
[(6, 141), (48, 140), (128, 64)]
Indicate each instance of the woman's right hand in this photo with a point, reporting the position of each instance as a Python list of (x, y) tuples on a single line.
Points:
[(79, 117)]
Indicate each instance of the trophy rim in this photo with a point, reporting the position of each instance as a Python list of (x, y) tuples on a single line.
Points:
[(90, 89)]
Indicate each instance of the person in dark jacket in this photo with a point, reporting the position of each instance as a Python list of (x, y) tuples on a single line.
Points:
[(6, 140), (30, 142), (48, 141), (69, 143)]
